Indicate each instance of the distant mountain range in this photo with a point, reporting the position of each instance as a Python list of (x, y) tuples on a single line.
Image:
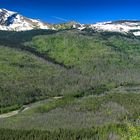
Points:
[(13, 21)]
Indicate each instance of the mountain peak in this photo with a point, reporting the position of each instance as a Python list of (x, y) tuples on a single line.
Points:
[(12, 21), (7, 11)]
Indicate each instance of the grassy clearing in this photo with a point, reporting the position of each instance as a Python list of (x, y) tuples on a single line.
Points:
[(54, 104)]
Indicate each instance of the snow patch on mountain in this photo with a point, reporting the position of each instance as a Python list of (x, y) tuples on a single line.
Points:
[(120, 26), (136, 33)]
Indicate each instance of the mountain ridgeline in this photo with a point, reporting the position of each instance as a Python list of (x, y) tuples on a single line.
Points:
[(13, 21), (69, 81)]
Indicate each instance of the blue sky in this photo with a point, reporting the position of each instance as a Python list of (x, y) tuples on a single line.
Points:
[(84, 11)]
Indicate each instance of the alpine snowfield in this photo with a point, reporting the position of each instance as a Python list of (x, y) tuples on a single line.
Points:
[(123, 26)]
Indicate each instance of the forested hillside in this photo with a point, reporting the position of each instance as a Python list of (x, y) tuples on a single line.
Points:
[(74, 84)]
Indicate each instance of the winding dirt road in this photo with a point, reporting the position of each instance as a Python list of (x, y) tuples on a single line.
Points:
[(15, 112)]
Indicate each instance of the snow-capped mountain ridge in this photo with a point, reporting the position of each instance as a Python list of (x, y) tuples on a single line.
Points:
[(123, 26), (13, 21)]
